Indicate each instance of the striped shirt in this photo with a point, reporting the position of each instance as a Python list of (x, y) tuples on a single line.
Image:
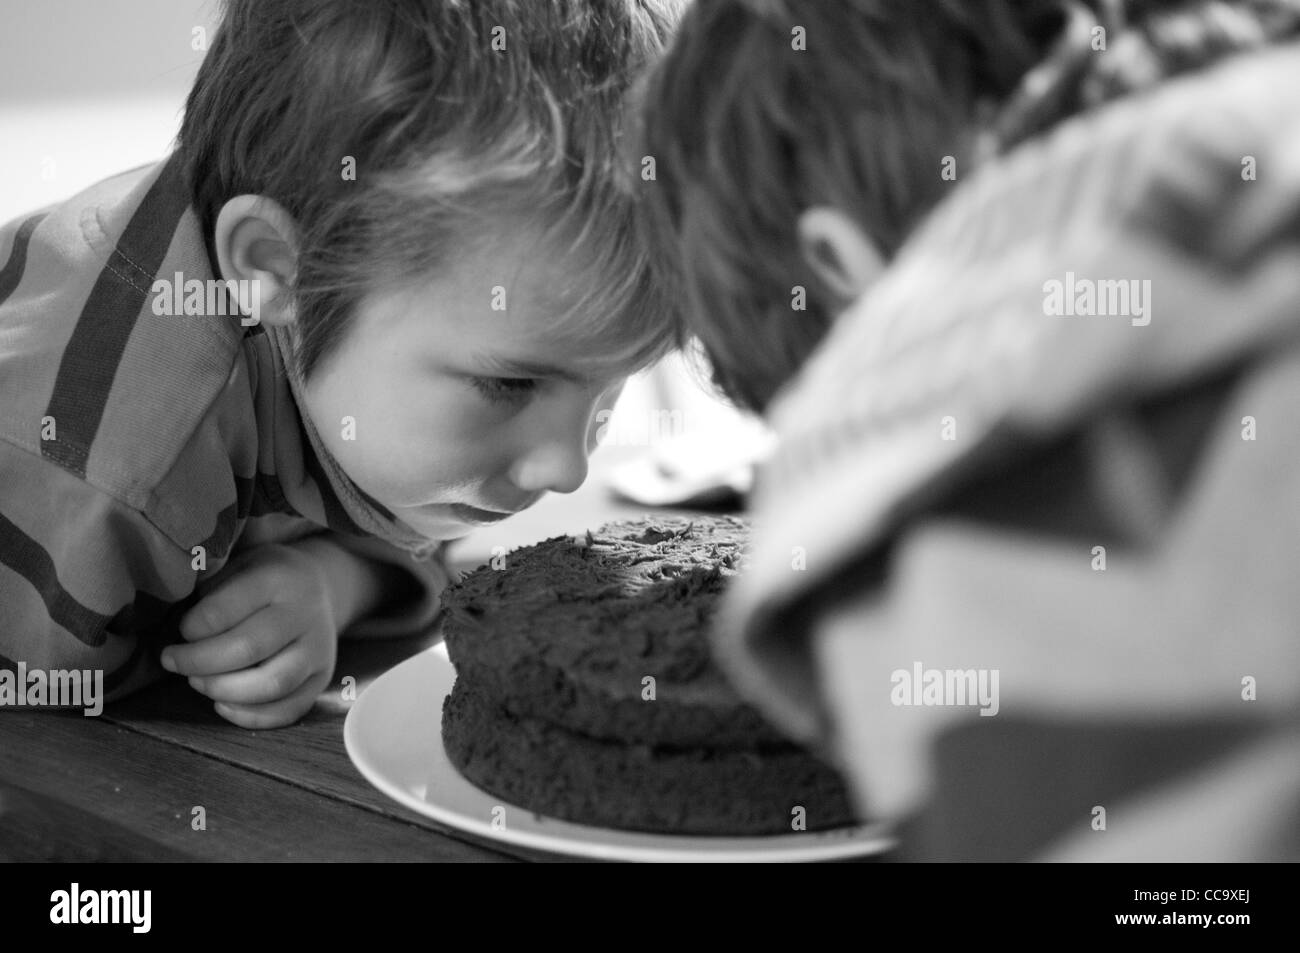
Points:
[(130, 439)]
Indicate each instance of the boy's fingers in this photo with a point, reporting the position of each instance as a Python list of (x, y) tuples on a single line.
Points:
[(276, 714), (255, 639), (234, 600), (275, 679)]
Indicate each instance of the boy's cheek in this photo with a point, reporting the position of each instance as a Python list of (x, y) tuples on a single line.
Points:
[(404, 454), (413, 472)]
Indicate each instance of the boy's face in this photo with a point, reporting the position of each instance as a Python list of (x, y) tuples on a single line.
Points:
[(464, 412)]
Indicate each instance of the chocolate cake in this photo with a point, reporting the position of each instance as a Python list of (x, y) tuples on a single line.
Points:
[(585, 689)]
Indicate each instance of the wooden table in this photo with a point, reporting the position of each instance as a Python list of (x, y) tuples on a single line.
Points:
[(125, 786)]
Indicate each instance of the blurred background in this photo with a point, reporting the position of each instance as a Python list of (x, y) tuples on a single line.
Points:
[(90, 88)]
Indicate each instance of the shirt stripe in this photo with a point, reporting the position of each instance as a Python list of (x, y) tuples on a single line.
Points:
[(30, 560), (99, 340), (12, 272)]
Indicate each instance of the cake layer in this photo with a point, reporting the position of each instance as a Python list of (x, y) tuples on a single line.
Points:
[(552, 771), (607, 635)]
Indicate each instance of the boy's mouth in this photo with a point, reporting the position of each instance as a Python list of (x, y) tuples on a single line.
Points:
[(472, 514)]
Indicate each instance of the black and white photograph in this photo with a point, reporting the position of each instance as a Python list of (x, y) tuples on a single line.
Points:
[(652, 431)]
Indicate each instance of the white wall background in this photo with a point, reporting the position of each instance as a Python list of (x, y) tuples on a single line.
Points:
[(89, 88)]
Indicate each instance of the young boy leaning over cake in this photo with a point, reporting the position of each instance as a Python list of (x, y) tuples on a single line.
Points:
[(415, 205), (1025, 554)]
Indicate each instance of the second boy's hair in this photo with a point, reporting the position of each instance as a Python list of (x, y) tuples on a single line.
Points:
[(764, 108), (463, 119)]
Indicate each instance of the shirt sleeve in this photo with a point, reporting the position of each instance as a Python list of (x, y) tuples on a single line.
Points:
[(87, 583), (413, 615)]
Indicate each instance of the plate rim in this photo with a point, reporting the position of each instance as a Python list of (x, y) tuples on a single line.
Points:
[(588, 841)]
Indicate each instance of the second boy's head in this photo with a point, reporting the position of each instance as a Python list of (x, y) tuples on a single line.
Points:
[(798, 142), (428, 191)]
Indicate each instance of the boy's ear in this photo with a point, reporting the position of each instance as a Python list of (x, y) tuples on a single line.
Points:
[(256, 240), (839, 252)]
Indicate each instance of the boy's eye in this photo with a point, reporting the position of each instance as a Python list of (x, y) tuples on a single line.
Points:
[(505, 389)]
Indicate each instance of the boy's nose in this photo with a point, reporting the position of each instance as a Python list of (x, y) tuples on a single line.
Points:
[(557, 468), (557, 460)]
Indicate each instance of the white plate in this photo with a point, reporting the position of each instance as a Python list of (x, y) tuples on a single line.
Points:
[(393, 735)]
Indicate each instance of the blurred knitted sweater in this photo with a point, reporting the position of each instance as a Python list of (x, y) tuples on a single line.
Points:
[(1054, 453)]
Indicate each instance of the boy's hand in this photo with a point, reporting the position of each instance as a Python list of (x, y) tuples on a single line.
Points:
[(263, 643)]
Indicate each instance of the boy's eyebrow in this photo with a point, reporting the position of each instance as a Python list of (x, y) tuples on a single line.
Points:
[(524, 368)]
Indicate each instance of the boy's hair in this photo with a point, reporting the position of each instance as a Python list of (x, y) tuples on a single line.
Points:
[(462, 118), (748, 131)]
